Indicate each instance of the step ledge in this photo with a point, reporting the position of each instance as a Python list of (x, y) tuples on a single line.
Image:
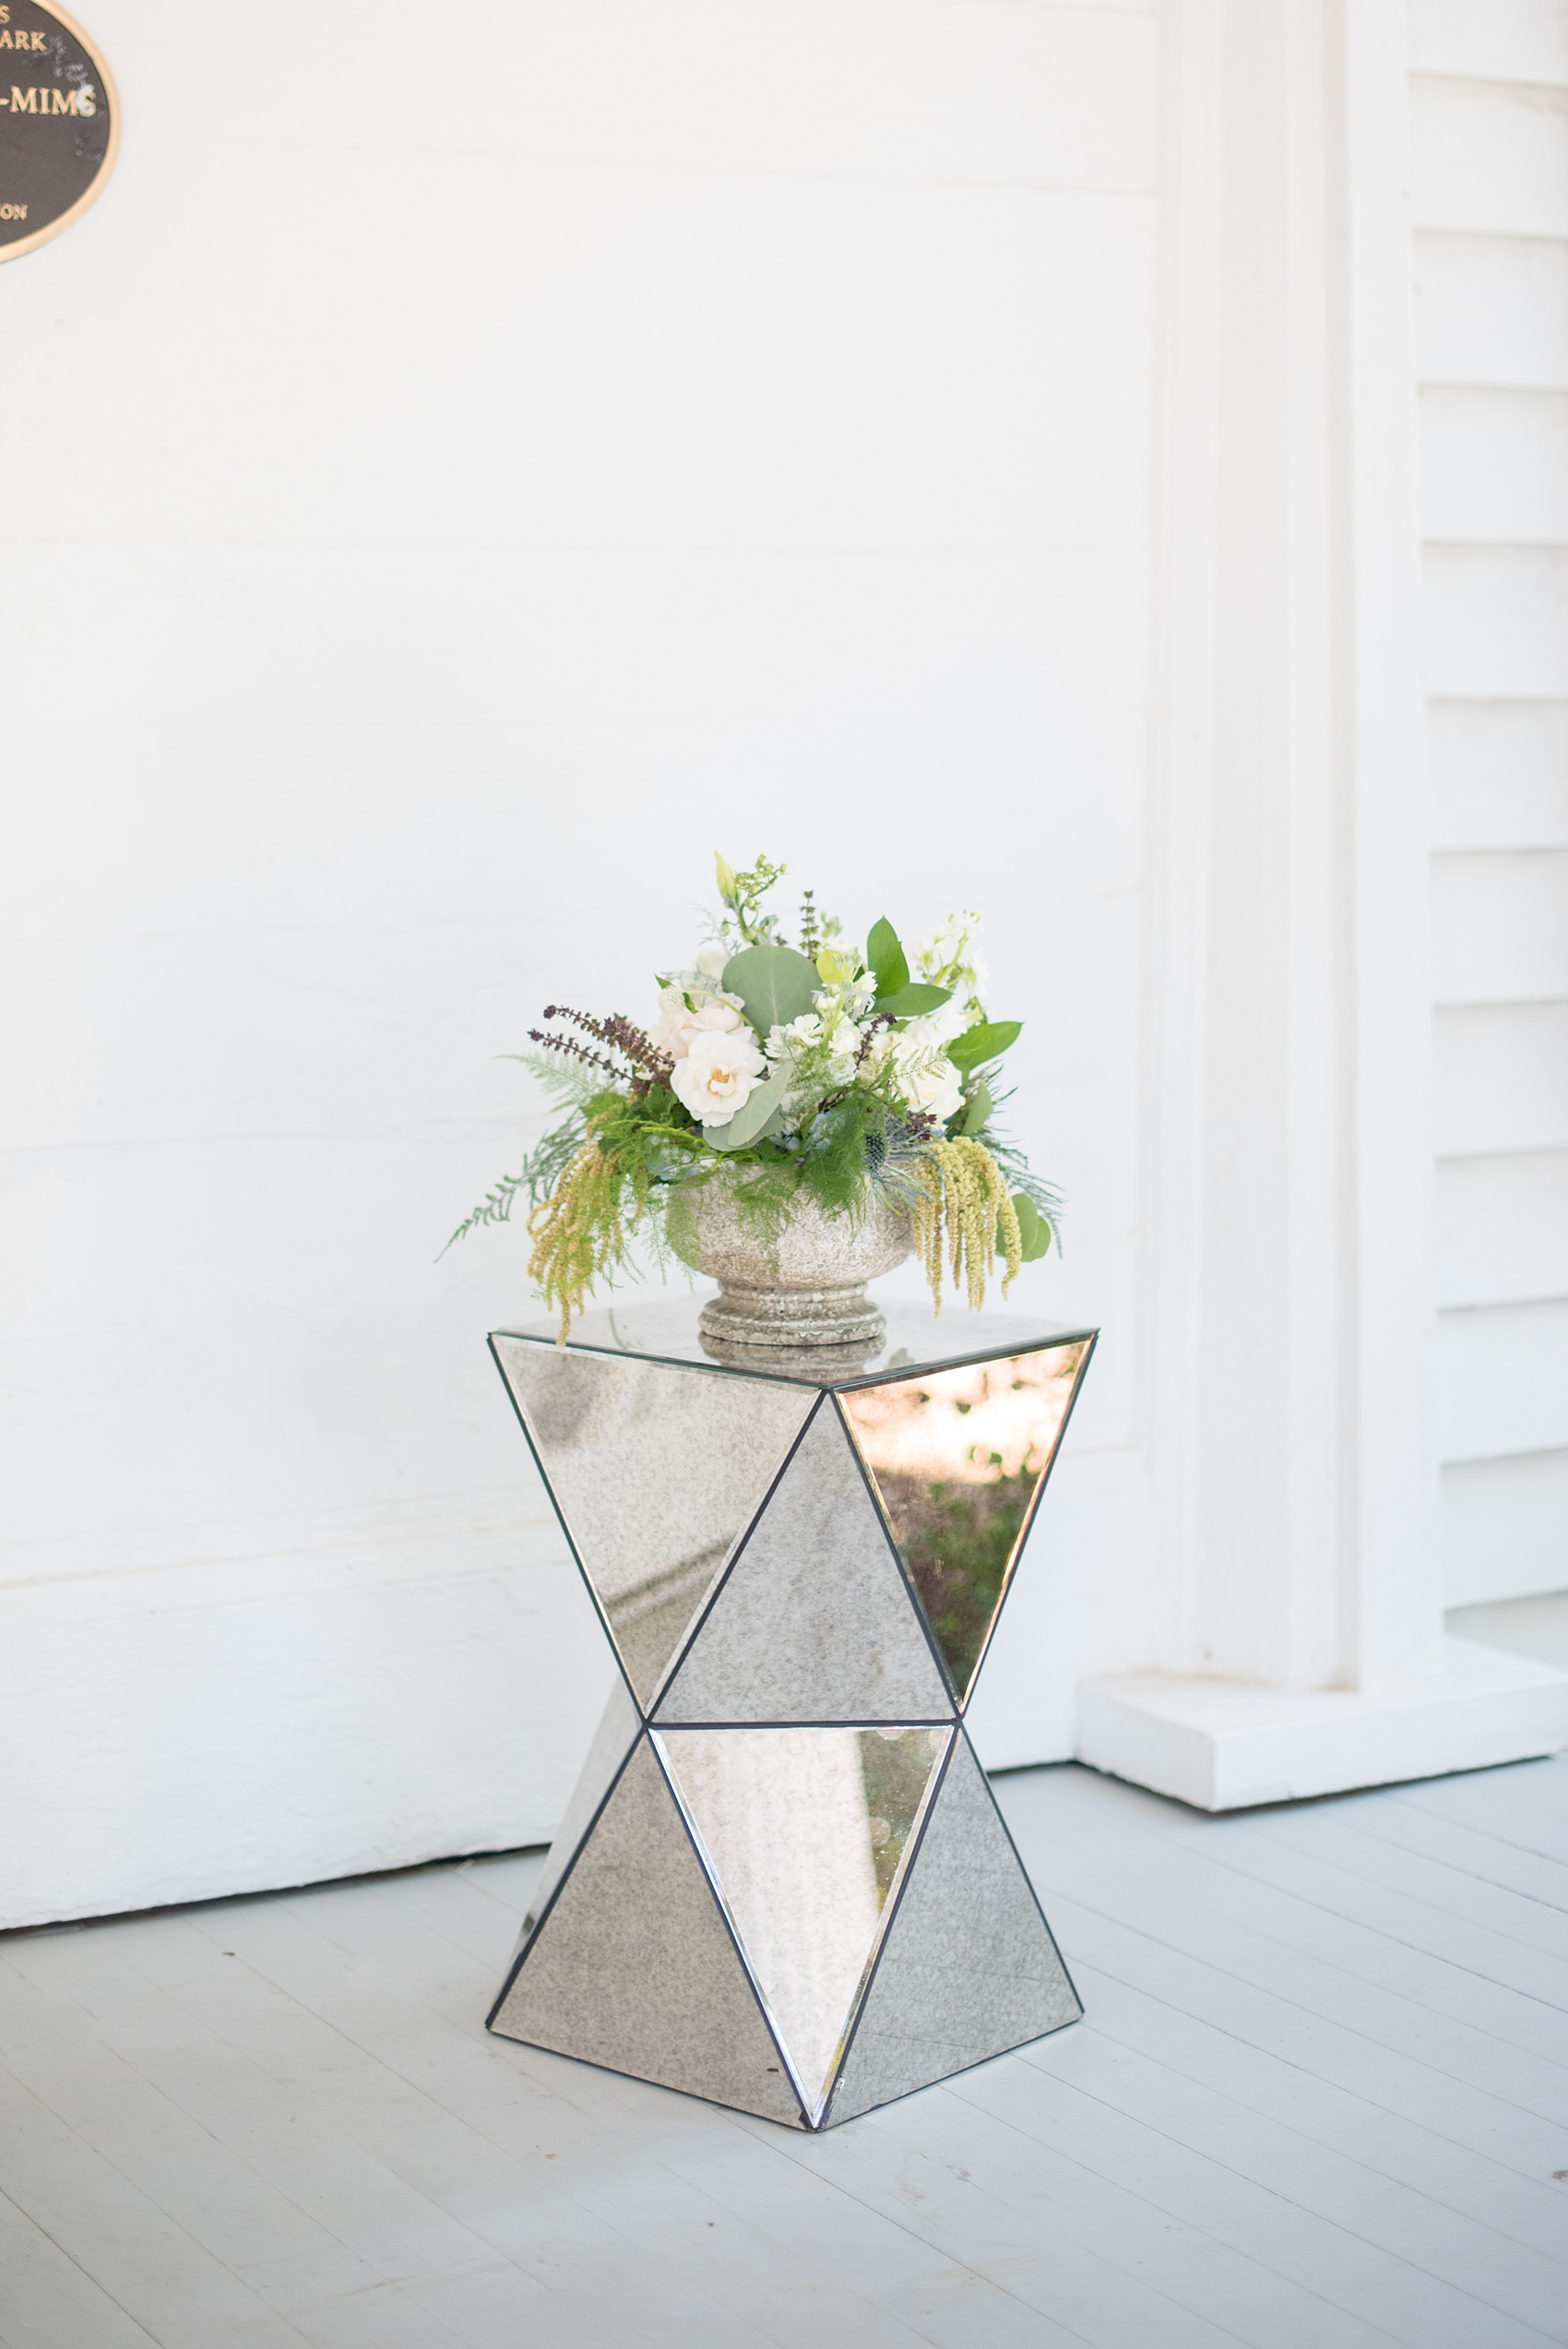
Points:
[(1225, 1745)]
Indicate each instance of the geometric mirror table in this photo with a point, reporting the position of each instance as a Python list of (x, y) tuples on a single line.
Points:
[(782, 1882)]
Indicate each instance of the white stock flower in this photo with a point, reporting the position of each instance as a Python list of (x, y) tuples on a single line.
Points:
[(720, 1072), (931, 1031), (678, 1025), (794, 1036), (930, 1082), (948, 957), (925, 1076)]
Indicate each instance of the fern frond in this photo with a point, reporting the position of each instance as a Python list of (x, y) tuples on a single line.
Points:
[(494, 1208)]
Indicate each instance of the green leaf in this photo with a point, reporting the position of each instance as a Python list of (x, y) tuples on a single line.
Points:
[(885, 957), (774, 983), (976, 1111), (756, 1111), (1033, 1229), (908, 1002), (984, 1043)]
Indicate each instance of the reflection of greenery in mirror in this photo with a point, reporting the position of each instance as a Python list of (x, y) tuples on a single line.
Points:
[(896, 1766), (956, 1458), (955, 1540)]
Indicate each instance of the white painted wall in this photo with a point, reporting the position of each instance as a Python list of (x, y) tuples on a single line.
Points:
[(967, 447), (467, 479), (1490, 108)]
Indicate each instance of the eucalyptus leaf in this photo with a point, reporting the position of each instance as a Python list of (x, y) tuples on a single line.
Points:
[(1033, 1229), (774, 983), (977, 1110), (908, 1002), (887, 958), (757, 1113), (984, 1043)]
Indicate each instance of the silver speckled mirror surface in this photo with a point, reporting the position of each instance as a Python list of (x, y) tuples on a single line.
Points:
[(968, 1967), (782, 1882), (656, 1472), (813, 1621), (803, 1832)]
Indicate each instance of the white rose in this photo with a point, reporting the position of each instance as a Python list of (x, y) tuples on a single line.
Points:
[(710, 959), (720, 1072), (677, 1025)]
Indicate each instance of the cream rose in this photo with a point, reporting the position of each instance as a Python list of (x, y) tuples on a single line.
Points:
[(677, 1024), (718, 1073)]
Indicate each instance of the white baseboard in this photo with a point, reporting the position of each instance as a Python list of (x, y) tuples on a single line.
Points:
[(1222, 1745)]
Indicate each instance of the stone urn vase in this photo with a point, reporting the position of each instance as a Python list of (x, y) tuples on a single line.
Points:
[(805, 1287)]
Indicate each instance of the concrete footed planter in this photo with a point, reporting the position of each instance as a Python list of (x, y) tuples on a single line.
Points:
[(804, 1288)]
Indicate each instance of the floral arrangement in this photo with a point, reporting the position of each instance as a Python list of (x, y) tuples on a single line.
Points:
[(822, 1070)]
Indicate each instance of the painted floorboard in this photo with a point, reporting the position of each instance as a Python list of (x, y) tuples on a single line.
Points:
[(1433, 1878), (1320, 2101), (1465, 1850)]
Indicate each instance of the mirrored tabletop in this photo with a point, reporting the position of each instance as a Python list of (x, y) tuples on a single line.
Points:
[(664, 1328)]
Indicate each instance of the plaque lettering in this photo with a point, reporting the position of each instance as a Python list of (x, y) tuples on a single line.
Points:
[(59, 124)]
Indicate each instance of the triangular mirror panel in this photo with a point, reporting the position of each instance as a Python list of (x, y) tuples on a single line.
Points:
[(813, 1621), (612, 1741), (957, 1458), (656, 1470), (968, 1967), (805, 1832), (634, 1968)]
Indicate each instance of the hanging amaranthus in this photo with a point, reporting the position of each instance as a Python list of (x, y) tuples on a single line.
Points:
[(963, 1198), (580, 1233)]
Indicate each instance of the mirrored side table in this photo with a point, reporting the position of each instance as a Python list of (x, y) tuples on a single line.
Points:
[(782, 1882)]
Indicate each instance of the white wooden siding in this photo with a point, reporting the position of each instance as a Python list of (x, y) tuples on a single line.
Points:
[(1502, 1079), (1490, 116), (1503, 1522), (1502, 1228), (1499, 771), (1492, 310), (1522, 40), (731, 423)]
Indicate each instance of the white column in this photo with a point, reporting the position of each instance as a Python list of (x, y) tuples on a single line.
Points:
[(1286, 1402)]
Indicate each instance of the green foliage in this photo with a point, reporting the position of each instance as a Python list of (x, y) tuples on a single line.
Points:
[(886, 958), (971, 1119), (1034, 1230), (1010, 1157), (896, 992), (907, 1003), (774, 983), (625, 1157), (543, 1166), (494, 1208), (651, 1135), (760, 1109), (743, 893), (985, 1041)]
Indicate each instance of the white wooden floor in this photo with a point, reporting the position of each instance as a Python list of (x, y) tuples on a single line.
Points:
[(1321, 2097)]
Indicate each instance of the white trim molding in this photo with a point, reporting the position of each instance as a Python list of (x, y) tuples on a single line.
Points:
[(1286, 1390)]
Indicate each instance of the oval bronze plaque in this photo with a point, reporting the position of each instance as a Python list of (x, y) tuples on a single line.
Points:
[(59, 124)]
